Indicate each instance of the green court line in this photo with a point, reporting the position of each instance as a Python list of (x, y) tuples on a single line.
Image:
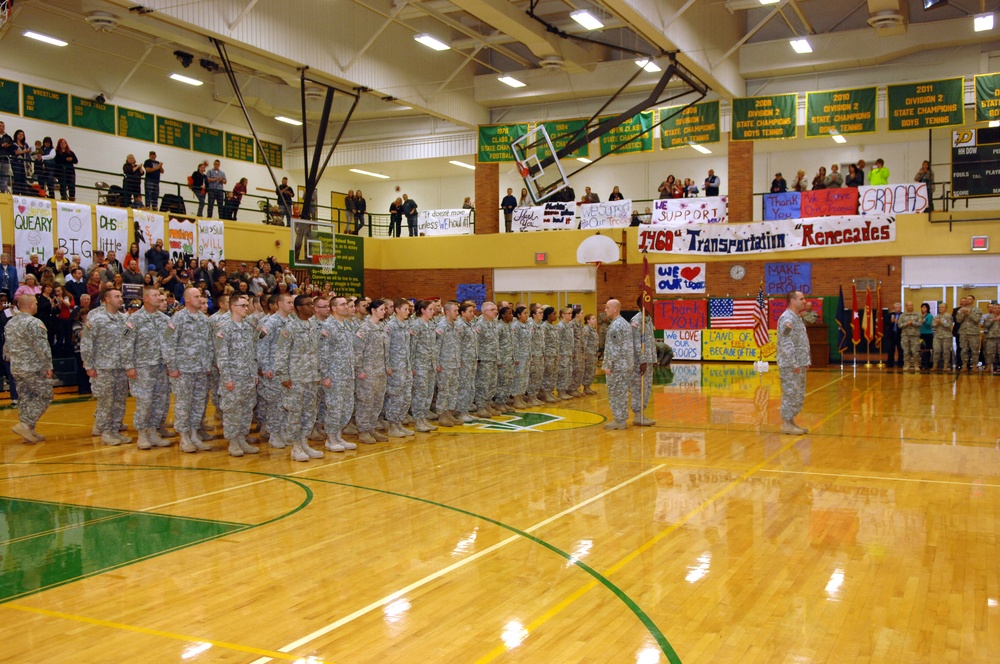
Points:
[(122, 511)]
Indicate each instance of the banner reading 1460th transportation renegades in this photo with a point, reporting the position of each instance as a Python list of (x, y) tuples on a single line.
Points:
[(32, 231), (768, 236)]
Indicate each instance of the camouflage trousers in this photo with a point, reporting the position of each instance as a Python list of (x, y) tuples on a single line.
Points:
[(466, 386), (260, 407), (942, 351), (618, 383), (522, 371), (579, 364), (398, 393), (274, 413), (188, 389), (550, 374), (369, 395), (968, 345), (911, 349), (300, 405), (641, 387), (201, 398), (34, 396), (486, 382), (793, 391), (110, 388), (505, 383), (338, 402), (447, 389), (565, 373), (143, 388), (215, 389), (237, 408), (422, 392), (161, 398), (536, 369), (992, 352), (589, 369)]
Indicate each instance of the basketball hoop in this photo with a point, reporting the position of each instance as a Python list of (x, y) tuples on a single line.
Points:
[(5, 7), (326, 262)]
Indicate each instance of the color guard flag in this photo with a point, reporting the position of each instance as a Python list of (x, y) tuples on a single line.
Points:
[(880, 323), (760, 319), (855, 321), (843, 323), (648, 288), (869, 322)]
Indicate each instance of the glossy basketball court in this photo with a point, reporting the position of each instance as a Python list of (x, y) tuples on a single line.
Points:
[(539, 537)]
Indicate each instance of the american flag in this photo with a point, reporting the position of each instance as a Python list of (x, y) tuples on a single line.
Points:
[(729, 314), (760, 319)]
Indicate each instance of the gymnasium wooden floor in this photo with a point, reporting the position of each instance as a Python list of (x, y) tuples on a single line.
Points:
[(545, 538)]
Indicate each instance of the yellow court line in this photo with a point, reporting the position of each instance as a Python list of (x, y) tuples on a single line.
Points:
[(552, 612), (155, 632)]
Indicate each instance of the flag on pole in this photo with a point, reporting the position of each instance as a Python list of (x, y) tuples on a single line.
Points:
[(868, 321), (855, 321), (647, 287), (843, 324), (880, 323), (760, 318)]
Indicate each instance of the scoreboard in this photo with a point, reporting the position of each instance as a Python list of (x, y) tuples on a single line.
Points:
[(975, 162)]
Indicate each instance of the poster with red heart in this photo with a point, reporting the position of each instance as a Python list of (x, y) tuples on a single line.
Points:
[(677, 278)]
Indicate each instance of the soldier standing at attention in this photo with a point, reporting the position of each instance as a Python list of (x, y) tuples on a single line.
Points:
[(644, 345), (505, 360), (942, 326), (469, 344), (619, 360), (141, 355), (399, 383), (214, 387), (487, 350), (550, 373), (576, 381), (235, 357), (424, 360), (968, 317), (267, 334), (188, 352), (536, 369), (321, 314), (991, 326), (370, 365), (590, 350), (336, 366), (564, 332), (520, 342), (296, 368), (449, 362), (100, 350), (27, 349), (909, 336), (793, 361)]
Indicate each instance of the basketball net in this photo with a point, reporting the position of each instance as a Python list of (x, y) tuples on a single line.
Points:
[(327, 265), (5, 7)]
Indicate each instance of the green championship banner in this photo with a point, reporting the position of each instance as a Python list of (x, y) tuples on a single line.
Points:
[(841, 112), (495, 141), (757, 118), (273, 151), (136, 124), (560, 133), (207, 140), (695, 124), (624, 134), (88, 114), (987, 97), (173, 133), (239, 147), (926, 105), (10, 97), (48, 105)]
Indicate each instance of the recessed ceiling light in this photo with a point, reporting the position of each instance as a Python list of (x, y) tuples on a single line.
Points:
[(431, 42), (995, 123), (369, 173), (586, 19), (462, 164), (769, 2), (983, 22), (648, 65), (44, 38), (511, 81), (291, 121), (837, 138), (700, 148), (801, 45), (185, 79), (584, 160)]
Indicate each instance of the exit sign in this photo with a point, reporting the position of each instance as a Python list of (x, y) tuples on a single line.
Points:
[(541, 257), (980, 242)]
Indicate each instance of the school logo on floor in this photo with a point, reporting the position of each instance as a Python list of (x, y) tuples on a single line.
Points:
[(553, 419)]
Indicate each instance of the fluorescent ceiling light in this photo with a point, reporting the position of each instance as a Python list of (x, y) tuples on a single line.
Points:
[(185, 79), (769, 2), (58, 42), (431, 42), (511, 81), (463, 165), (586, 19), (837, 138), (648, 65), (995, 123), (734, 5), (700, 148), (291, 121), (801, 45), (369, 173), (584, 160), (983, 22)]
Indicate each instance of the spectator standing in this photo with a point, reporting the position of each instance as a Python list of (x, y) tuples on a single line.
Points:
[(236, 198), (819, 182), (926, 175), (75, 284), (616, 195), (467, 204), (410, 210), (8, 277), (285, 197), (507, 205), (834, 180), (666, 187), (59, 265), (525, 199), (132, 182), (156, 256), (349, 209), (712, 184), (30, 287), (132, 256), (44, 166), (153, 170), (215, 187), (778, 184), (879, 174), (396, 218), (6, 156), (199, 184), (64, 164), (800, 183), (589, 196), (19, 164), (360, 208), (855, 177)]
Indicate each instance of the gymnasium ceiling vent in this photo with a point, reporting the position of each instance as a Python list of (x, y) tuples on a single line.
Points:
[(887, 17)]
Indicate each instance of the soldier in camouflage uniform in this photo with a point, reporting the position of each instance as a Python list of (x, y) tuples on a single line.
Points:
[(565, 334), (449, 354), (188, 351), (142, 357), (236, 360), (336, 365), (424, 360), (576, 377), (536, 365), (27, 349), (370, 366), (550, 374), (100, 350), (644, 346), (968, 318), (619, 360), (590, 350), (321, 314), (991, 326), (399, 383), (214, 387), (505, 361), (296, 368), (520, 342), (909, 329), (469, 344), (488, 348), (161, 391), (793, 362), (942, 326), (270, 388)]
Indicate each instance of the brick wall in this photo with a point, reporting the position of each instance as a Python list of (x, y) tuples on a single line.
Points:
[(487, 198), (740, 181), (425, 283)]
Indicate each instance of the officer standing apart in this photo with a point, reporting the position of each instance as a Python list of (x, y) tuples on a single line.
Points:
[(619, 361), (793, 361), (909, 336), (27, 349), (143, 362), (296, 367), (235, 353), (188, 352), (100, 350)]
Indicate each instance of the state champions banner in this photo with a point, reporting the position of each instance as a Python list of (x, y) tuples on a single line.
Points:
[(613, 214), (549, 217), (75, 231), (112, 230), (211, 240), (444, 222), (678, 211), (32, 231), (768, 236)]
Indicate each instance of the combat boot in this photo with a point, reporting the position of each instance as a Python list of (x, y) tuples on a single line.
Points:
[(496, 410), (465, 418), (94, 431), (420, 427), (615, 425), (298, 454), (24, 431), (164, 432), (143, 443), (367, 438), (317, 433), (234, 449), (199, 443), (381, 424), (444, 419), (186, 444), (310, 452), (549, 398), (246, 446), (427, 423), (263, 432), (277, 442), (351, 429), (379, 436), (588, 391), (484, 413), (641, 420), (345, 444), (395, 430), (431, 415), (332, 445), (519, 402), (155, 439)]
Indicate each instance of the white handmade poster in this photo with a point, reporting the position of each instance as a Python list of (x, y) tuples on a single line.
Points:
[(444, 222), (75, 230), (148, 229), (679, 211), (211, 240), (183, 238), (893, 198), (112, 231), (613, 214), (32, 231), (548, 217)]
